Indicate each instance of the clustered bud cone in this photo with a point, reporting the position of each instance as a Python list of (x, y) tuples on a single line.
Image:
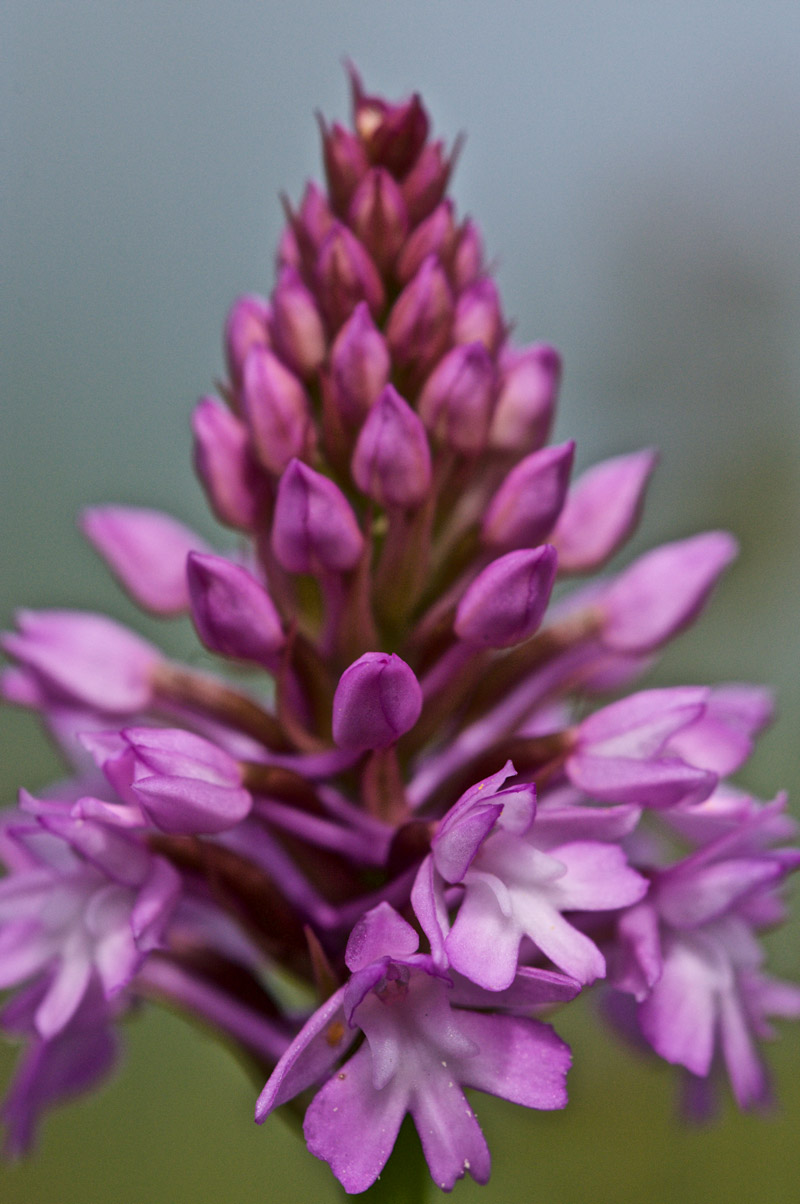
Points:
[(322, 792)]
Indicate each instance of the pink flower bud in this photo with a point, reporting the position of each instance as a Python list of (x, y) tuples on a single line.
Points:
[(233, 613), (378, 699), (247, 326), (456, 401), (393, 134), (85, 658), (506, 602), (423, 187), (184, 784), (147, 551), (276, 408), (392, 460), (435, 236), (478, 317), (468, 257), (345, 163), (345, 274), (314, 528), (378, 216), (526, 399), (359, 365), (529, 501), (296, 325), (314, 220), (663, 591), (418, 327), (224, 464), (601, 510), (288, 253)]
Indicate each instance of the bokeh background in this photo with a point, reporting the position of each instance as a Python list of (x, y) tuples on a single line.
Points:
[(635, 169)]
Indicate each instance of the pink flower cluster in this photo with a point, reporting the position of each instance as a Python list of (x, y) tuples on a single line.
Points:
[(438, 801)]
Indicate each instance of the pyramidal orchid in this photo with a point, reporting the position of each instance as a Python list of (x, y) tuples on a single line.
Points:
[(442, 803)]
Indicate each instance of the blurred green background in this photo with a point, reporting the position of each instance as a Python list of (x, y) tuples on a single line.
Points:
[(635, 170)]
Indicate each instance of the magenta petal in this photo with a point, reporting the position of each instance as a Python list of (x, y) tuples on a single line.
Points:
[(641, 724), (352, 1126), (601, 510), (455, 847), (427, 899), (66, 990), (57, 1069), (663, 783), (678, 1017), (519, 1060), (557, 825), (526, 399), (86, 657), (636, 959), (687, 900), (451, 1137), (483, 943), (320, 1043), (745, 1068), (147, 551), (154, 904), (380, 933), (191, 807), (664, 590), (531, 988)]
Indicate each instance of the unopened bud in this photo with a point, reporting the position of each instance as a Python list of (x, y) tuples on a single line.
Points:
[(456, 401), (378, 216), (345, 275), (314, 528), (435, 236), (296, 325), (468, 257), (529, 501), (233, 613), (506, 602), (392, 461), (393, 134), (247, 326), (345, 161), (224, 463), (478, 317), (183, 783), (526, 399), (378, 699), (276, 408), (359, 365), (418, 327), (423, 187)]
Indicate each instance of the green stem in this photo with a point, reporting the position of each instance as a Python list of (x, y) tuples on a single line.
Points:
[(405, 1178)]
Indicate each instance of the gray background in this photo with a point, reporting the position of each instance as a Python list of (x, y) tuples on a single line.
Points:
[(635, 169)]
